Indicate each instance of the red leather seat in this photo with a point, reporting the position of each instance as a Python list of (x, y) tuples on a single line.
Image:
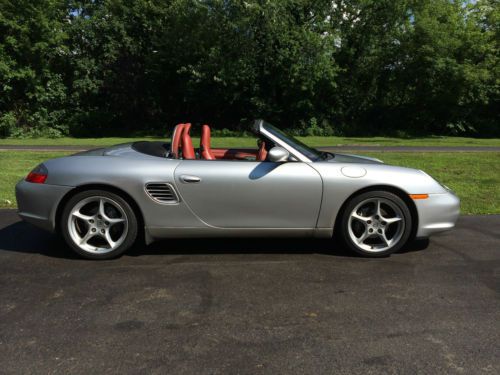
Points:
[(187, 144), (262, 154), (176, 140), (206, 151)]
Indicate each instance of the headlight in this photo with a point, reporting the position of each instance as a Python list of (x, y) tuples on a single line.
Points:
[(441, 184)]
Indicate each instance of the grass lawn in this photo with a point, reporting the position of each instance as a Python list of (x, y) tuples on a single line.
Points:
[(250, 142), (475, 177), (16, 165)]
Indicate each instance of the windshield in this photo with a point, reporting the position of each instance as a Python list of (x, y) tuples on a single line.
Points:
[(304, 149)]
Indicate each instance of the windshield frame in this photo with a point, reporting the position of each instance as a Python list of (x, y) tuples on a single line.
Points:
[(298, 149)]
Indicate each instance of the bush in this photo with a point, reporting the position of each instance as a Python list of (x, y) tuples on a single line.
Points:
[(7, 124)]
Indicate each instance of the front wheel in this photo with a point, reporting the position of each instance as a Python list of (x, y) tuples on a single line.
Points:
[(376, 224), (98, 224)]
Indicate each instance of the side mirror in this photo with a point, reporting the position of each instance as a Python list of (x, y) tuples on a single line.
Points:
[(278, 155)]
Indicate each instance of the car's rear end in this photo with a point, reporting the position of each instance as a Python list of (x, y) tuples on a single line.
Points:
[(37, 199)]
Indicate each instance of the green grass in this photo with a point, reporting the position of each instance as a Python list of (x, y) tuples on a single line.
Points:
[(475, 177), (249, 142), (16, 165)]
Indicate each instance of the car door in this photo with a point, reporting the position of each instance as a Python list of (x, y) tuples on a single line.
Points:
[(250, 194)]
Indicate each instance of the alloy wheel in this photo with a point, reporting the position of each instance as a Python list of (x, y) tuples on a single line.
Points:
[(98, 225), (376, 224)]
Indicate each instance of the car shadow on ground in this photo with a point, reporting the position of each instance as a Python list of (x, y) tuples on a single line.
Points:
[(24, 238)]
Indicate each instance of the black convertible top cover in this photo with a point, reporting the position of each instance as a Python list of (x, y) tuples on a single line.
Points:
[(159, 149)]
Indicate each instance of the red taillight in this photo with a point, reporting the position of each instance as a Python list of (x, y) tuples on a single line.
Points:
[(38, 175), (36, 178)]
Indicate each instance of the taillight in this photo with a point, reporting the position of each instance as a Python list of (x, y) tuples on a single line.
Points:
[(38, 175)]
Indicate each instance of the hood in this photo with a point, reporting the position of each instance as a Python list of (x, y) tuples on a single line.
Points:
[(348, 158)]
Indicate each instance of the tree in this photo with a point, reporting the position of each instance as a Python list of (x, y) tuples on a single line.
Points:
[(316, 67), (33, 51)]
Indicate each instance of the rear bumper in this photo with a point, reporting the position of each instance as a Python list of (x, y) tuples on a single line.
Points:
[(436, 214), (37, 203)]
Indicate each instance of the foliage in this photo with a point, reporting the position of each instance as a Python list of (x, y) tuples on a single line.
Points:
[(317, 67), (33, 54)]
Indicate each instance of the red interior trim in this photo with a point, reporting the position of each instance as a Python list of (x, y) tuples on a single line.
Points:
[(233, 153)]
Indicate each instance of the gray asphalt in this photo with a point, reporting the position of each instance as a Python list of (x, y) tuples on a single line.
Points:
[(251, 306), (339, 149)]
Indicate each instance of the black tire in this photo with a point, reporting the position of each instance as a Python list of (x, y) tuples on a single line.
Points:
[(384, 196), (111, 199)]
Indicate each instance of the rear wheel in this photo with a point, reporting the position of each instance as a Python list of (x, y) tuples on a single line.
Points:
[(376, 224), (98, 224)]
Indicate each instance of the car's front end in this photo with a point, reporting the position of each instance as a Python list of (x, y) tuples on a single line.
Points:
[(436, 207), (437, 212)]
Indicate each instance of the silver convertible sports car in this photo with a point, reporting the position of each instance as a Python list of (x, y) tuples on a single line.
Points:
[(102, 201)]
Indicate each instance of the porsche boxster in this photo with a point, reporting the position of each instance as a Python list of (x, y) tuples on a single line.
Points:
[(104, 200)]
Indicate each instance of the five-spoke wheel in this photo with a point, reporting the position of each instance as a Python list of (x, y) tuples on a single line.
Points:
[(99, 224), (376, 223)]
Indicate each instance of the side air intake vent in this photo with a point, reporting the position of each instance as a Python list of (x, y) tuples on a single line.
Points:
[(161, 192)]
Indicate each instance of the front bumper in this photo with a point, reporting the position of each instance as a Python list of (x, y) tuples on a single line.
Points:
[(37, 203), (437, 213)]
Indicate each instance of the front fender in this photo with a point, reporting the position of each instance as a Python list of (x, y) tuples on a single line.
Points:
[(338, 187)]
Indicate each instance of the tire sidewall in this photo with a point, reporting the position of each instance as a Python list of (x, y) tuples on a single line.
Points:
[(129, 212), (344, 224)]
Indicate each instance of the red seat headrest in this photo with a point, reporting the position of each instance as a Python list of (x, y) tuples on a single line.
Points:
[(176, 140), (206, 151), (187, 143)]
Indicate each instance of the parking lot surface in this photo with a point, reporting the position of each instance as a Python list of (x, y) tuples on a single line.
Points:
[(251, 306)]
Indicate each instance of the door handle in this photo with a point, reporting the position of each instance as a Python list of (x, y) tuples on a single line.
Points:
[(190, 179)]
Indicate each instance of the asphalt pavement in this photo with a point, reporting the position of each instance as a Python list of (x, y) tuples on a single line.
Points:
[(251, 306)]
